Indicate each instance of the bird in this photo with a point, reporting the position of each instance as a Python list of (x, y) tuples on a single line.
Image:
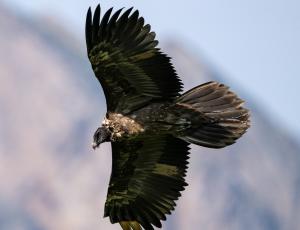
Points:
[(149, 121)]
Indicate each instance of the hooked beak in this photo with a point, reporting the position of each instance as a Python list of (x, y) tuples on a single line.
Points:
[(95, 145)]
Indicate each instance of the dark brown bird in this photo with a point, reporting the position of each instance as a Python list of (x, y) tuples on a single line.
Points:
[(149, 122)]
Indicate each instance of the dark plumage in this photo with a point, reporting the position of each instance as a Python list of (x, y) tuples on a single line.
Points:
[(149, 122)]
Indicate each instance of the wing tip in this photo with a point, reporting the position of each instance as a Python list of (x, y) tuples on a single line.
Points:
[(89, 15), (88, 25), (97, 12)]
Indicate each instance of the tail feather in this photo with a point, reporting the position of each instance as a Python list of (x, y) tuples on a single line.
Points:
[(221, 117)]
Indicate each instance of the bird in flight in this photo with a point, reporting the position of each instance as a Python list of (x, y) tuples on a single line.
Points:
[(149, 121)]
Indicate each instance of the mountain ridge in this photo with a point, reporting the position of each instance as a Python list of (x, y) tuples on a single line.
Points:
[(50, 105)]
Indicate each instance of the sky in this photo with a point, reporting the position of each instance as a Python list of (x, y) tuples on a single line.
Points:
[(252, 42)]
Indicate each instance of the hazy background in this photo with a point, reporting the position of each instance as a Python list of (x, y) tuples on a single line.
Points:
[(50, 105)]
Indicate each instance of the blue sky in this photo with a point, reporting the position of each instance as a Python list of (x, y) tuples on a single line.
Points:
[(253, 42)]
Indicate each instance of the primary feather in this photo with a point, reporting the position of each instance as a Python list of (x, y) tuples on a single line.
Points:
[(124, 57)]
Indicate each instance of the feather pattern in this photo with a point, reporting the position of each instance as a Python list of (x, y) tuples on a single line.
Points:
[(147, 177), (219, 118), (126, 61)]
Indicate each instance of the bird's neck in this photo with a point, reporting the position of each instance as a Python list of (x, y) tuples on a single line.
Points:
[(121, 126)]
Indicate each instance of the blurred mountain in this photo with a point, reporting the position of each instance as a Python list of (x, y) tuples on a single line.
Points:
[(50, 105)]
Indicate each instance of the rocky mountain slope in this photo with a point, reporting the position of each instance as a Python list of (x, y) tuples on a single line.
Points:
[(50, 105)]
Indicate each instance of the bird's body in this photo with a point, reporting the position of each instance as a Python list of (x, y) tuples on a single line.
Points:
[(149, 122), (152, 119)]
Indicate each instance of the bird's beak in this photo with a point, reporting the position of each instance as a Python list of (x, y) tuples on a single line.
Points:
[(95, 145)]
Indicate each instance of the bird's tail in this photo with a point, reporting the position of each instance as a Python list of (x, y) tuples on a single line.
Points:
[(216, 115)]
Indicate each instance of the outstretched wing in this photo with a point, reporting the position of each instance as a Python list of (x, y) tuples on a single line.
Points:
[(124, 57), (147, 177)]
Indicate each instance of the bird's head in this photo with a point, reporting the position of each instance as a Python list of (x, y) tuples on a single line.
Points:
[(101, 135)]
